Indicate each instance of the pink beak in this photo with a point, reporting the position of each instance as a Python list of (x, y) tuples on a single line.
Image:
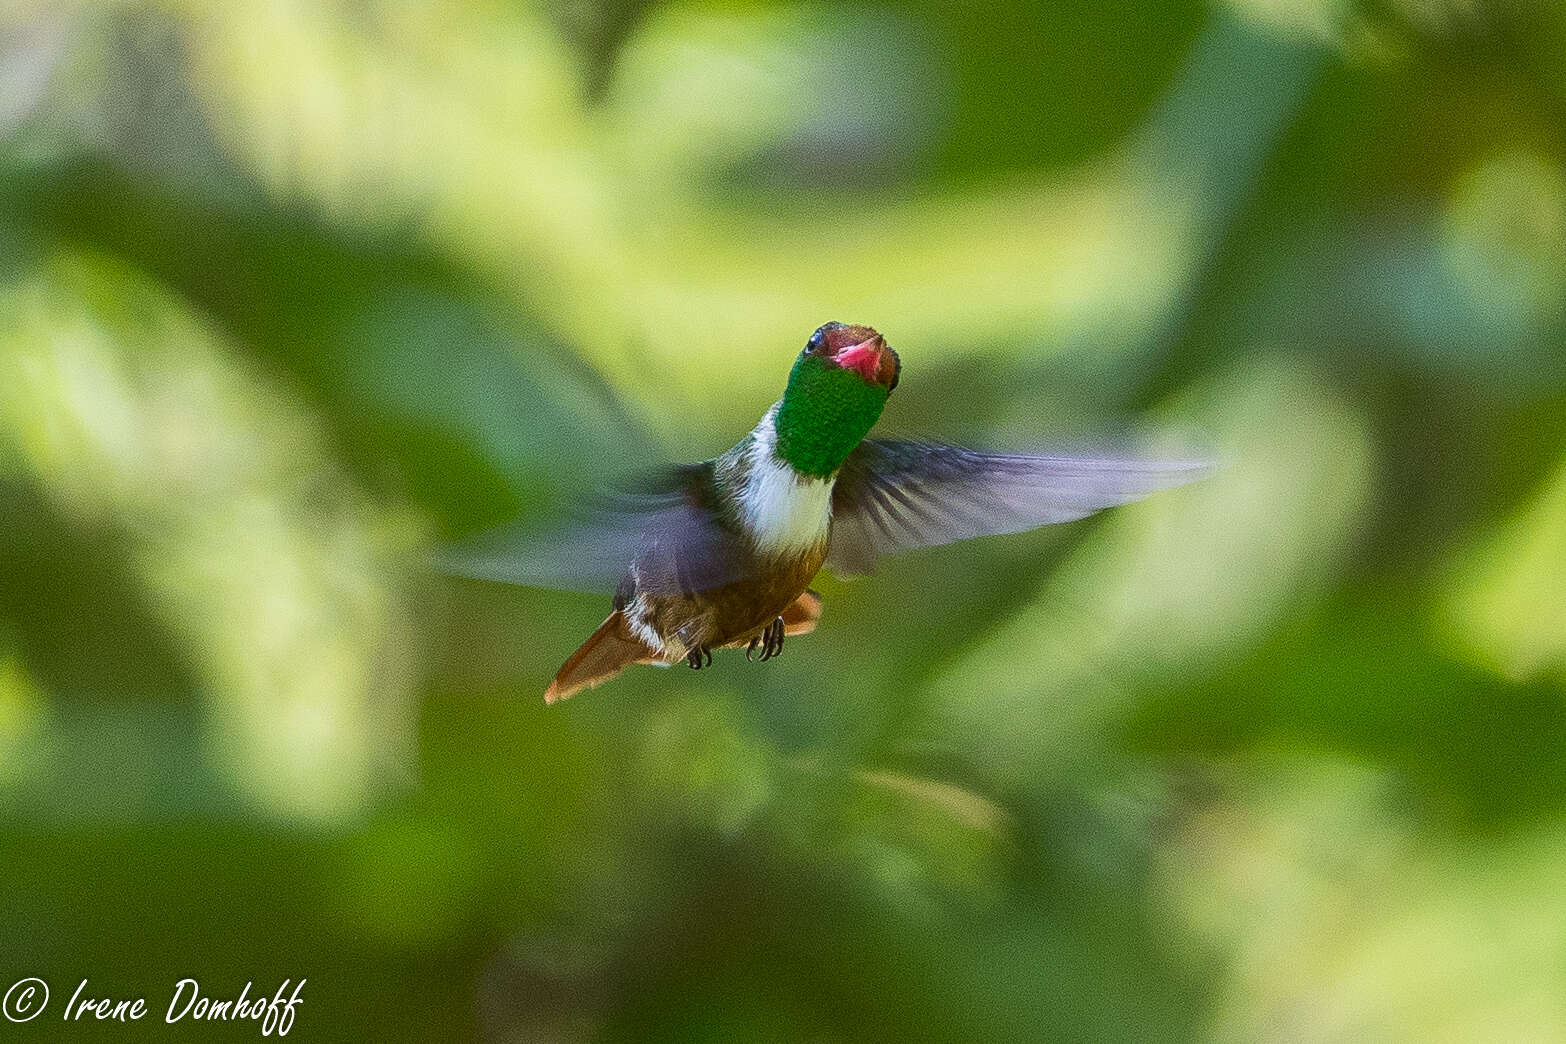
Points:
[(863, 358)]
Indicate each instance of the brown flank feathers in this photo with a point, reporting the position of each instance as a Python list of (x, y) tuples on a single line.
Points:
[(612, 648)]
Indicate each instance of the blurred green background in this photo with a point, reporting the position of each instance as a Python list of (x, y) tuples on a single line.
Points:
[(293, 292)]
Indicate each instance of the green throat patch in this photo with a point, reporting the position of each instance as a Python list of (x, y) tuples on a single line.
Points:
[(825, 413)]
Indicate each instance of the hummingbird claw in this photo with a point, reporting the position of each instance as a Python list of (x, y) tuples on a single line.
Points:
[(772, 639), (751, 648), (695, 657)]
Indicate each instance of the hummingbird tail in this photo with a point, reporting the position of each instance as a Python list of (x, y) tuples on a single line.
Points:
[(611, 649), (801, 617)]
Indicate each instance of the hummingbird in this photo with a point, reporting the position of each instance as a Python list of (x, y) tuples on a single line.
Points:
[(721, 553)]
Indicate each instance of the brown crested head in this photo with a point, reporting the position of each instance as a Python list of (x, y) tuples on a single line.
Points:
[(857, 348)]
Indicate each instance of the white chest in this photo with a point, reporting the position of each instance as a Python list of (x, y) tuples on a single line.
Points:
[(786, 512)]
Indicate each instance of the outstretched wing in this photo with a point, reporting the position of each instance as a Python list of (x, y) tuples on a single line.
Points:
[(896, 496), (669, 530)]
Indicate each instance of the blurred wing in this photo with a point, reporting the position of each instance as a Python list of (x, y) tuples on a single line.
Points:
[(898, 496), (669, 530)]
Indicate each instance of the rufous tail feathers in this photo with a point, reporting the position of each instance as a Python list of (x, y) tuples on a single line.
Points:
[(801, 616), (611, 649)]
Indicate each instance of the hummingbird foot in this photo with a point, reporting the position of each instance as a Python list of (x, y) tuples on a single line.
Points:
[(772, 640), (700, 656), (751, 648)]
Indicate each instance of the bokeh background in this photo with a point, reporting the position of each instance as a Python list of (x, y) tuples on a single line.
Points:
[(295, 292)]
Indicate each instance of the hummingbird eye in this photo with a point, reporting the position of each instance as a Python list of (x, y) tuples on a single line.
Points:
[(816, 341)]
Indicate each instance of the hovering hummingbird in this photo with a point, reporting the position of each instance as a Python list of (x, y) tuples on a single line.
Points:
[(721, 554)]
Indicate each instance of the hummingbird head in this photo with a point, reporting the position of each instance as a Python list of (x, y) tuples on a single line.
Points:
[(856, 348), (835, 394)]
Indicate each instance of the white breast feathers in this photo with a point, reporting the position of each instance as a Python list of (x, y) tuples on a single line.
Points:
[(786, 512)]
